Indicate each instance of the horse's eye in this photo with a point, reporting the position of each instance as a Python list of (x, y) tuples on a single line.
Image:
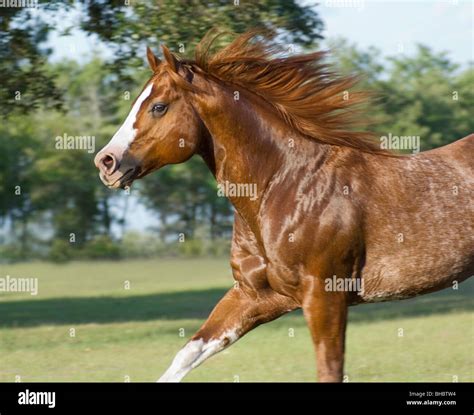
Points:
[(158, 109)]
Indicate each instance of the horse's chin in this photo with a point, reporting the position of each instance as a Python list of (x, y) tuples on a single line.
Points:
[(124, 177), (120, 185), (120, 179)]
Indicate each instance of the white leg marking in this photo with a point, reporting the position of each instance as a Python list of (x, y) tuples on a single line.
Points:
[(194, 353)]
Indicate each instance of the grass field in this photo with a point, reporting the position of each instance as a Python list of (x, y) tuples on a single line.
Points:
[(134, 333)]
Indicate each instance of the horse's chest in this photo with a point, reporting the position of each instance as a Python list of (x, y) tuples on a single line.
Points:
[(256, 273)]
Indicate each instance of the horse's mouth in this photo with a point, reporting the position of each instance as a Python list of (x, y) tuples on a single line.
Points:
[(123, 181)]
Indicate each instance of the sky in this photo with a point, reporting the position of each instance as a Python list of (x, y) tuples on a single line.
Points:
[(392, 26), (397, 26)]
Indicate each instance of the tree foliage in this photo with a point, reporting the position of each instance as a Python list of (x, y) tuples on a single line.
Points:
[(424, 94), (47, 194)]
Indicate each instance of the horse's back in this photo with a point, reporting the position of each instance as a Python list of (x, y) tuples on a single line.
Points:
[(429, 209), (461, 151)]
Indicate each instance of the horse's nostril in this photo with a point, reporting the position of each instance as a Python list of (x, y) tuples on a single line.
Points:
[(108, 161)]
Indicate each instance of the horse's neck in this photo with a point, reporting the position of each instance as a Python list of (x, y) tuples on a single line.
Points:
[(248, 145)]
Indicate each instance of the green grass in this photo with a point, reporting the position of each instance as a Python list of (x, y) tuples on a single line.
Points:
[(136, 332)]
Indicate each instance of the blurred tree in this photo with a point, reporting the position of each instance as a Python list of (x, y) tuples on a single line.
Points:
[(463, 120), (185, 198), (128, 26), (17, 178), (41, 181), (423, 95), (70, 187), (25, 82)]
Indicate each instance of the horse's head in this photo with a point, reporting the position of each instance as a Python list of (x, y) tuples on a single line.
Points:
[(162, 127)]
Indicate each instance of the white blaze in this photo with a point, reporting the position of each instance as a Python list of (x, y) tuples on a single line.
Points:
[(126, 133)]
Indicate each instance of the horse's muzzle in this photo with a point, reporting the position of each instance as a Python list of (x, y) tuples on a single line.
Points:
[(115, 173)]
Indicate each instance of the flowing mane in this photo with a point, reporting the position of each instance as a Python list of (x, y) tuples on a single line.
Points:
[(307, 94)]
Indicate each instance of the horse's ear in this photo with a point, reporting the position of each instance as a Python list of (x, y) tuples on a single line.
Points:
[(153, 61), (170, 58)]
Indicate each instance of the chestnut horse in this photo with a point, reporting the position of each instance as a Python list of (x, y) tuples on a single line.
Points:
[(331, 205)]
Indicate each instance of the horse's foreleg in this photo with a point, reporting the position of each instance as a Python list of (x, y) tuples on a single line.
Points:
[(235, 314), (326, 314)]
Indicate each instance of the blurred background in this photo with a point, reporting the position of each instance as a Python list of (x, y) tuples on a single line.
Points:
[(135, 273)]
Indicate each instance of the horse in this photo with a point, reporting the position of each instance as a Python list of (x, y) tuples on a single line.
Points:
[(331, 204)]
